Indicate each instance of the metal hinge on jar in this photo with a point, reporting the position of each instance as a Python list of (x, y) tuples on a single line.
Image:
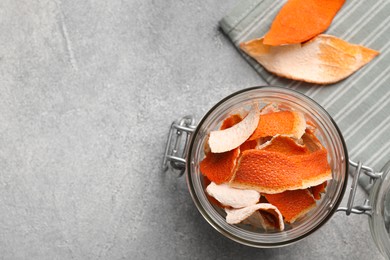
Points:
[(366, 207), (176, 149)]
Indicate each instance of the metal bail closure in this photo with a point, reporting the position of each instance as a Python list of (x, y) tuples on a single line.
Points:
[(366, 207), (176, 149)]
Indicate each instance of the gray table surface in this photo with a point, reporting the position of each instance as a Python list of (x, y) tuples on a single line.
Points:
[(88, 91)]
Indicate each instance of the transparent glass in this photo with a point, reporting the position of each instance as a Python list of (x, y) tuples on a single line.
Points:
[(329, 135), (380, 218)]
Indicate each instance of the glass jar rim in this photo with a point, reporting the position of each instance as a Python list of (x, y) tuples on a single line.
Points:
[(204, 212)]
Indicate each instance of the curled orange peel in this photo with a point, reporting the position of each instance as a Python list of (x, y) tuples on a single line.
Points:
[(292, 204), (235, 216), (274, 172), (301, 20), (219, 167), (285, 145), (290, 123), (230, 138), (324, 59)]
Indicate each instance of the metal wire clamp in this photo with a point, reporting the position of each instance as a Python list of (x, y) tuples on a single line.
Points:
[(175, 150), (366, 207)]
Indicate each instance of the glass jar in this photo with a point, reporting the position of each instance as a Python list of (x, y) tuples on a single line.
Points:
[(380, 214), (186, 158)]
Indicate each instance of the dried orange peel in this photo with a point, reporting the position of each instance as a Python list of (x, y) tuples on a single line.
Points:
[(218, 167), (301, 20), (282, 158), (231, 197), (235, 216), (289, 123), (206, 182), (250, 144), (324, 59), (272, 218), (285, 145), (230, 138), (274, 172), (292, 204)]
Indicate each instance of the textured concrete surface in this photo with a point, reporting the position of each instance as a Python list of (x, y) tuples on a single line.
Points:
[(88, 91)]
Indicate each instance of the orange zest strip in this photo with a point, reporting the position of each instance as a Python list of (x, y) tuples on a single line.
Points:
[(218, 167), (289, 123), (274, 172), (292, 204), (301, 20)]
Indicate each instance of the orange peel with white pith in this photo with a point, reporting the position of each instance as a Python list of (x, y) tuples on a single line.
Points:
[(324, 59), (273, 172), (272, 218), (231, 197), (236, 216), (292, 204), (290, 123), (227, 123), (221, 141)]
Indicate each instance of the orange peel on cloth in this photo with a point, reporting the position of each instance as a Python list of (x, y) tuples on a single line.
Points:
[(301, 20), (230, 138), (324, 59), (273, 172), (292, 204)]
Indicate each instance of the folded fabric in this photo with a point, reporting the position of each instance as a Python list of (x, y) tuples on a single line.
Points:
[(360, 104)]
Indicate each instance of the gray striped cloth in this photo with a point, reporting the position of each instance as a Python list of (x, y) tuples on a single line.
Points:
[(359, 104)]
